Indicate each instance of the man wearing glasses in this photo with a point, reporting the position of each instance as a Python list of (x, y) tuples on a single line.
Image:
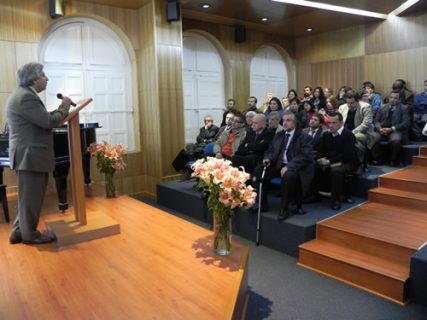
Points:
[(229, 141)]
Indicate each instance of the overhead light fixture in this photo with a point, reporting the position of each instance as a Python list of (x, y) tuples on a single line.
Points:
[(309, 29), (206, 6), (264, 19), (403, 7), (330, 7)]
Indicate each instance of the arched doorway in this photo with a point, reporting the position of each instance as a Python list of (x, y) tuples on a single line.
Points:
[(268, 74), (203, 83), (84, 58)]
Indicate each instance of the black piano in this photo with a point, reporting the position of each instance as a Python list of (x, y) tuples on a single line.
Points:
[(62, 157)]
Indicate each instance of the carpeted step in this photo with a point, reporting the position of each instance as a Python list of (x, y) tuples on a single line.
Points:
[(399, 198), (423, 151), (412, 179), (369, 272), (419, 161)]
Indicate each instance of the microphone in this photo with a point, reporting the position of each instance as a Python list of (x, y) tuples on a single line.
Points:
[(60, 96)]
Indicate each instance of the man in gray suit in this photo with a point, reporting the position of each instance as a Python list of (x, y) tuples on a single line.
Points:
[(392, 123), (31, 151)]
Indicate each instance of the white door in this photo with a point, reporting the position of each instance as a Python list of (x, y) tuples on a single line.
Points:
[(268, 74), (203, 84), (83, 58)]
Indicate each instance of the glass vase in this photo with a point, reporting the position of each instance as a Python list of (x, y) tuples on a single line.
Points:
[(222, 234), (110, 188)]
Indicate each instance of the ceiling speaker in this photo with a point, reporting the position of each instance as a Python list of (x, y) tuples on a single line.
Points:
[(239, 34), (173, 11), (56, 8)]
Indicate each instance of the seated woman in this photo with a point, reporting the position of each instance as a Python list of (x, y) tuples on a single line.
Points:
[(295, 106), (309, 109), (274, 105)]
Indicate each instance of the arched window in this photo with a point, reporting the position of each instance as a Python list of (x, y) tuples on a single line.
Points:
[(268, 74), (203, 84), (84, 58)]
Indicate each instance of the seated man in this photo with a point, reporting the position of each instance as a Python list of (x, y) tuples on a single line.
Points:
[(256, 142), (315, 129), (228, 123), (274, 122), (420, 105), (290, 157), (392, 122), (230, 107), (357, 117), (206, 135), (229, 141), (249, 117), (336, 157), (368, 88)]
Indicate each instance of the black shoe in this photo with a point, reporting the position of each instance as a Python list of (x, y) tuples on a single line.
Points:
[(336, 205), (42, 239), (300, 211), (283, 214), (15, 237), (349, 200)]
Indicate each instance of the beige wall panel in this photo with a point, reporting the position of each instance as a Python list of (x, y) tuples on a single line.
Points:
[(169, 66), (126, 19), (397, 33), (6, 20), (30, 19), (340, 44), (8, 68), (3, 99), (26, 52), (303, 77)]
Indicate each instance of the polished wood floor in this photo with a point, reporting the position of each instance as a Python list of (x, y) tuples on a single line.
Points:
[(370, 246), (159, 267)]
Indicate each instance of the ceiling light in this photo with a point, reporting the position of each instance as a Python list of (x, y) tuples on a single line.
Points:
[(319, 5), (206, 6), (309, 29), (264, 19), (403, 7)]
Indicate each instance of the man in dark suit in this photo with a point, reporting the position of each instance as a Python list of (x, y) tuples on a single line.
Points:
[(251, 150), (31, 149), (206, 135), (336, 157), (315, 130), (290, 157), (392, 122)]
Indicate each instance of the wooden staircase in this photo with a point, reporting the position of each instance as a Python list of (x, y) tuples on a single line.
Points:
[(370, 246)]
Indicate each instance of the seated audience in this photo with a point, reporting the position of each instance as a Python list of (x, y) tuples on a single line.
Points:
[(341, 94), (315, 130), (230, 107), (229, 141), (308, 93), (309, 109), (407, 96), (292, 94), (331, 107), (206, 135), (285, 103), (274, 122), (290, 157), (357, 117), (328, 93), (249, 117), (295, 106), (274, 105), (228, 123), (336, 157), (392, 123), (252, 101), (375, 98), (421, 98), (319, 100), (256, 142)]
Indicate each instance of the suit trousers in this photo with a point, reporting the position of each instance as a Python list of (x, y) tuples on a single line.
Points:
[(291, 189), (31, 191), (334, 179)]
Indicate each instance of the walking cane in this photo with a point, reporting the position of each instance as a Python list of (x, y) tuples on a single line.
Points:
[(258, 224)]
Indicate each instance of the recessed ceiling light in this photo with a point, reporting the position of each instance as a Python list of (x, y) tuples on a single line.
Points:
[(320, 5), (264, 19), (206, 6), (309, 29)]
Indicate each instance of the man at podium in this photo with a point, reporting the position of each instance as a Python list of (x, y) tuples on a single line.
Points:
[(31, 149)]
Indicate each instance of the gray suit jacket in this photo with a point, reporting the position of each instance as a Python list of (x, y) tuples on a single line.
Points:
[(401, 119), (30, 124)]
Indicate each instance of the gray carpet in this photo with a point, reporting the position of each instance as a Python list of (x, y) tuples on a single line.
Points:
[(280, 289)]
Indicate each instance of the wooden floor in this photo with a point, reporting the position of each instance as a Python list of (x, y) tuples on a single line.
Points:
[(371, 245), (159, 267)]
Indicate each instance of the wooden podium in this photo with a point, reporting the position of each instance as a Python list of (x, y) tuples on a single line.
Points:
[(79, 227)]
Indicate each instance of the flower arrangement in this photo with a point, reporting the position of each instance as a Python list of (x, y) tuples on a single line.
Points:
[(226, 189), (109, 158)]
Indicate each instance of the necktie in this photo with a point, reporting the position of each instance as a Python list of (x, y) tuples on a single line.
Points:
[(283, 146)]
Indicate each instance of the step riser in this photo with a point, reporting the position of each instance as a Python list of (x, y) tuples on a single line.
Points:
[(401, 202), (418, 161), (365, 279), (385, 250), (423, 152), (409, 186)]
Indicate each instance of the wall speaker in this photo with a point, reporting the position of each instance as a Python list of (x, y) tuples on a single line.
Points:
[(173, 11), (239, 34), (56, 8)]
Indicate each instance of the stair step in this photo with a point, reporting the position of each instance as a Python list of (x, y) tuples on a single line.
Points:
[(368, 272), (388, 223), (366, 245), (399, 198), (423, 151), (413, 179), (419, 161)]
